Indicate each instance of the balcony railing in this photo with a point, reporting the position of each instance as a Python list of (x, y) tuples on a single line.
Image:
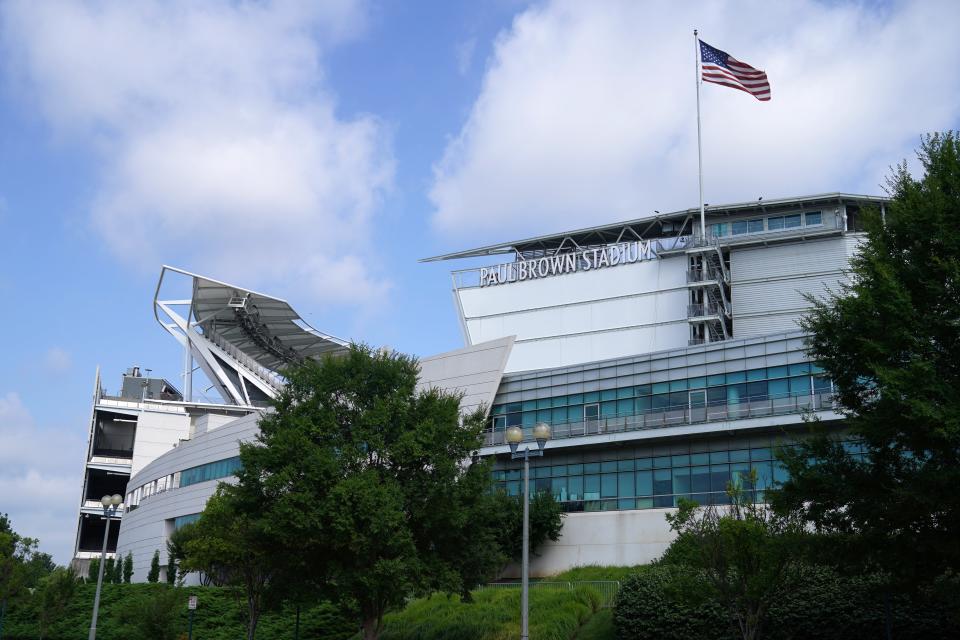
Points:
[(705, 275), (676, 416)]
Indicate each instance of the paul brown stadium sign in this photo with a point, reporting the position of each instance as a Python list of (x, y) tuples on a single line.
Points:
[(563, 263)]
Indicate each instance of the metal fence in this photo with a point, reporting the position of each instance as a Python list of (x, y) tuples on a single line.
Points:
[(606, 589)]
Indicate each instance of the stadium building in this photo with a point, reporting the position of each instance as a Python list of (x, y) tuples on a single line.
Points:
[(668, 363)]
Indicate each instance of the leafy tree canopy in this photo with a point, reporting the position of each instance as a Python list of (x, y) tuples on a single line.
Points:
[(890, 340)]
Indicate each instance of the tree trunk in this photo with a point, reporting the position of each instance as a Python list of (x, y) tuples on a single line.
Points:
[(370, 628), (254, 614)]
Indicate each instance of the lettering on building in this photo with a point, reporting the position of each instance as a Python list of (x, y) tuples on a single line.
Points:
[(563, 263)]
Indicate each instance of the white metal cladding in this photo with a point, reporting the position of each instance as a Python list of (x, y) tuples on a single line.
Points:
[(584, 316), (145, 529), (768, 283), (473, 371)]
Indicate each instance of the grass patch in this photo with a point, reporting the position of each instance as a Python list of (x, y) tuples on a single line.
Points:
[(594, 573), (494, 615), (599, 627)]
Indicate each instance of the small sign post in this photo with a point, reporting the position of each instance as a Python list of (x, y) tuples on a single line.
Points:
[(192, 606)]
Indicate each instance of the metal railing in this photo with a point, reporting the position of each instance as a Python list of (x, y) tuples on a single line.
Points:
[(705, 310), (705, 275), (607, 589), (674, 416)]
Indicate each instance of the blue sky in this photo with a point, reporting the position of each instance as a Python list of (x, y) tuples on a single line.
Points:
[(316, 151)]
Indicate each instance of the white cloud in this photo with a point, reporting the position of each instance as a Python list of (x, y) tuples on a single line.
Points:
[(465, 51), (587, 110), (57, 360), (40, 475), (221, 146)]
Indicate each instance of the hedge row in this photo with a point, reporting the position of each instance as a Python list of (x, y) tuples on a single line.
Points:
[(218, 616), (675, 603)]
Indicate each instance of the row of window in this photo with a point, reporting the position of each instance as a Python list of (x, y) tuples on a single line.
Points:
[(180, 521), (771, 223), (658, 482), (210, 471), (769, 383)]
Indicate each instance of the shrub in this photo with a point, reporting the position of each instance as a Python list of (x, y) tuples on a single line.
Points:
[(674, 602)]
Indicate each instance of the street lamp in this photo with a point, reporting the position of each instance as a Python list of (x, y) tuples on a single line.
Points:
[(110, 504), (541, 433)]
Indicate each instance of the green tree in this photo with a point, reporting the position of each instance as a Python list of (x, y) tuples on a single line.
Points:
[(110, 571), (367, 486), (93, 569), (16, 552), (128, 568), (546, 521), (154, 574), (232, 544), (748, 554), (152, 614), (890, 341), (54, 593)]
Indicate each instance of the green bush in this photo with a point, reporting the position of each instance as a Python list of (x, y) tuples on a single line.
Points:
[(493, 615), (218, 617), (674, 602)]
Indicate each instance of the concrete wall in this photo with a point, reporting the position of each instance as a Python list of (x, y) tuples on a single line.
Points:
[(157, 433), (146, 528), (584, 316), (602, 538)]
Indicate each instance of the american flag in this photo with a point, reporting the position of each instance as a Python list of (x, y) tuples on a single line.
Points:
[(719, 67)]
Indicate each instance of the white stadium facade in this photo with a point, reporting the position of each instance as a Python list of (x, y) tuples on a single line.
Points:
[(668, 363)]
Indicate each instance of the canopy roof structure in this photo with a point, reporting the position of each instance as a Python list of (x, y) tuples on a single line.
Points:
[(242, 339), (652, 226)]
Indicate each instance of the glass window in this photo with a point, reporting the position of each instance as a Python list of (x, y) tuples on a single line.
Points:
[(678, 385), (575, 487), (608, 409), (700, 479), (661, 462), (513, 407), (779, 388), (741, 455), (719, 477), (800, 386), (757, 390), (593, 396), (739, 227), (660, 402), (591, 467), (679, 400), (774, 224), (662, 482), (529, 418), (513, 488), (644, 463), (736, 393), (643, 390), (558, 415), (575, 469), (699, 458), (681, 480), (608, 394), (529, 405), (624, 392), (814, 218), (697, 383), (760, 453), (644, 483), (756, 374), (716, 396), (736, 376), (559, 488), (542, 485), (680, 460), (625, 407), (778, 372), (821, 384), (625, 465), (755, 226), (719, 456), (716, 380), (625, 486), (558, 470), (660, 387), (609, 466), (626, 503), (608, 485), (543, 415), (791, 221), (591, 487), (642, 404), (800, 369)]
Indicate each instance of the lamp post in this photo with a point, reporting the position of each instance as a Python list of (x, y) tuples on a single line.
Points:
[(541, 432), (110, 504)]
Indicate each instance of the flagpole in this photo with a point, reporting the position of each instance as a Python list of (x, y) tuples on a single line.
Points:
[(696, 70)]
